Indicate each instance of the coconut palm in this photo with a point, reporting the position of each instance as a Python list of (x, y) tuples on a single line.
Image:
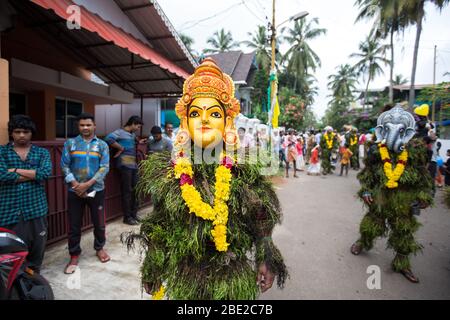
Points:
[(300, 57), (371, 56), (221, 41), (399, 80), (260, 44), (308, 89), (188, 41), (343, 83), (388, 19), (416, 11)]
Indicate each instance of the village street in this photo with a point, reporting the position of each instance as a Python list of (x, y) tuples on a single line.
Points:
[(321, 220)]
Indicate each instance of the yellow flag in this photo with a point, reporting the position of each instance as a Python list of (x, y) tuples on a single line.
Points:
[(276, 113)]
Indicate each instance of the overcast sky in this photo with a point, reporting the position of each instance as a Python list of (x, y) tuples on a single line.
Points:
[(199, 19)]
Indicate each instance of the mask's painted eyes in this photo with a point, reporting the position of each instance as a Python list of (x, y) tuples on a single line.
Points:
[(194, 114), (216, 114)]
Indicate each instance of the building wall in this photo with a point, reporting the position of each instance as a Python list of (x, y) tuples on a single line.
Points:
[(113, 116), (26, 44), (4, 101)]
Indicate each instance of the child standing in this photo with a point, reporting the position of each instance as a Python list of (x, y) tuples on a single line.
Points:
[(314, 164), (345, 161)]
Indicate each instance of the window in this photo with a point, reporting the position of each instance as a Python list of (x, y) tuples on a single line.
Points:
[(17, 104), (67, 112)]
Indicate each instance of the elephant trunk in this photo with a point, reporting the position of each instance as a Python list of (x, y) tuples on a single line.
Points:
[(391, 139), (398, 145)]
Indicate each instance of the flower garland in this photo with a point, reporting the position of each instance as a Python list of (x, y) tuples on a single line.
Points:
[(353, 141), (392, 175), (328, 140), (159, 295), (217, 214)]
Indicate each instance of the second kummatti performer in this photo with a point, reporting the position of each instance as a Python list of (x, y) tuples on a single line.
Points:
[(209, 236), (395, 185)]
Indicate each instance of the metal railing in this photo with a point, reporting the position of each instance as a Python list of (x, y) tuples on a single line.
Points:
[(56, 190)]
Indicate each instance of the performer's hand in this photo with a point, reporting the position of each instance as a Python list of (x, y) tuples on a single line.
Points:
[(368, 199), (264, 278), (147, 287)]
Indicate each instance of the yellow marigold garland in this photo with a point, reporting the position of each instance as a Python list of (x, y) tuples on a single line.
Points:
[(353, 141), (328, 140), (217, 214), (393, 175), (159, 295)]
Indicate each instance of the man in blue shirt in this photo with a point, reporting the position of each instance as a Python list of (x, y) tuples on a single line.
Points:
[(23, 203), (158, 143), (85, 164), (124, 140)]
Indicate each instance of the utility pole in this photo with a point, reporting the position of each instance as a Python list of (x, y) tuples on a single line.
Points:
[(272, 38)]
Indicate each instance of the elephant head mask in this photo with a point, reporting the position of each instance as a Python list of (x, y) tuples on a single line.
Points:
[(395, 128)]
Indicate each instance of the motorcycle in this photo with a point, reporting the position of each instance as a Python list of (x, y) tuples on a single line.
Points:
[(16, 281)]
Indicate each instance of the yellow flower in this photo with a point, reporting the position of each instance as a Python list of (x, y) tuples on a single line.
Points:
[(159, 295), (195, 204), (328, 140), (393, 176), (183, 165)]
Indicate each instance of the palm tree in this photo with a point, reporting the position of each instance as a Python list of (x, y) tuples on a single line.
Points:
[(260, 44), (371, 55), (221, 41), (399, 80), (300, 57), (343, 83), (188, 41), (308, 89), (388, 20), (416, 11)]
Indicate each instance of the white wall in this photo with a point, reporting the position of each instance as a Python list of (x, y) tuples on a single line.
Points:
[(110, 117)]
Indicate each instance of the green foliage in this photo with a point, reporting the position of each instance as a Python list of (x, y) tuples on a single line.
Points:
[(447, 196), (259, 93), (178, 246), (393, 206), (441, 93), (260, 44)]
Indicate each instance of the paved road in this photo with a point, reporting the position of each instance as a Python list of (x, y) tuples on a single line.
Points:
[(321, 219)]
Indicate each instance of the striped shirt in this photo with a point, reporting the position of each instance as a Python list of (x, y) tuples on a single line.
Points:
[(23, 198), (128, 141), (83, 160)]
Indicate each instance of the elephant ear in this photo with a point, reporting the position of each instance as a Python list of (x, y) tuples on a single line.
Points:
[(409, 134), (379, 133)]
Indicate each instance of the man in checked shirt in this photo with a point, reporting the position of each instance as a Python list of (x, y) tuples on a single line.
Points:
[(85, 164), (23, 202)]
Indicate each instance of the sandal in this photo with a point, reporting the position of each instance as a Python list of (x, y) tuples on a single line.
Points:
[(103, 256), (356, 248), (72, 266), (407, 273)]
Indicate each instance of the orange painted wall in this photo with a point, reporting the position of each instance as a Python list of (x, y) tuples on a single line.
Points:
[(4, 101)]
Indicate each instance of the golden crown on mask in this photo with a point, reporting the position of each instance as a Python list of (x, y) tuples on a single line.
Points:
[(208, 81)]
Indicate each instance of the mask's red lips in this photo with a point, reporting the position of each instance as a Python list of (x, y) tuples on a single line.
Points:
[(204, 129)]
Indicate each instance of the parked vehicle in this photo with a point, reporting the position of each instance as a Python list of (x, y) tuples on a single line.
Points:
[(16, 281)]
